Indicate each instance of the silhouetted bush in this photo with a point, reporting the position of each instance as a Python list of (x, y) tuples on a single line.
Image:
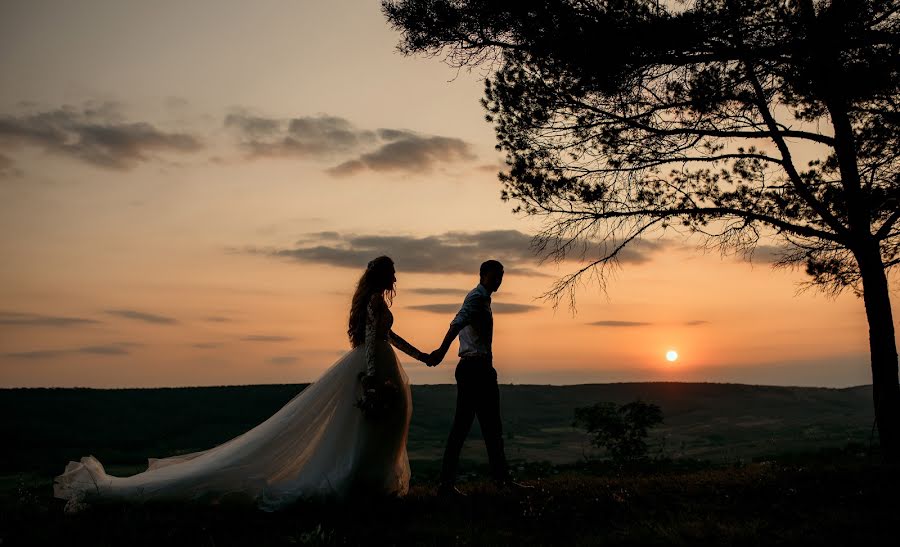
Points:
[(621, 430)]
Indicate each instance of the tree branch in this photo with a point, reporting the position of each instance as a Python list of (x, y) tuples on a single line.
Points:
[(666, 161), (885, 229), (772, 131), (805, 231), (567, 281), (793, 175)]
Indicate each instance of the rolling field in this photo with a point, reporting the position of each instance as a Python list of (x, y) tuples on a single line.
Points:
[(718, 422), (742, 465)]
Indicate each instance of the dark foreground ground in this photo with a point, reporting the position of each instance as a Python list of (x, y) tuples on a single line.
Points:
[(833, 498), (735, 465)]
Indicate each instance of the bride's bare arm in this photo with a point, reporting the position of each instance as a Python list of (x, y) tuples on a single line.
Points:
[(406, 347)]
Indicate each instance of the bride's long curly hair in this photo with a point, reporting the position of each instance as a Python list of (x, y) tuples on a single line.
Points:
[(378, 278)]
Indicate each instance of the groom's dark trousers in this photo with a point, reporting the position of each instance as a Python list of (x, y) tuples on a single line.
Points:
[(477, 394)]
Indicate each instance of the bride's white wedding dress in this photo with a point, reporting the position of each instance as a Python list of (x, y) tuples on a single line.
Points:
[(318, 444)]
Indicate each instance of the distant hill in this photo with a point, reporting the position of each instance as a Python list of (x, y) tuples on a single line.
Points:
[(44, 428)]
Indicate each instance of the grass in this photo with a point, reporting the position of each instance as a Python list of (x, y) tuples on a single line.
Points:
[(833, 497), (738, 465)]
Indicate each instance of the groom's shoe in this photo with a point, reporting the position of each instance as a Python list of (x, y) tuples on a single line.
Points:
[(449, 491)]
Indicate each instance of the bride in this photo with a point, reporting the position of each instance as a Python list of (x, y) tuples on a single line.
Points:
[(346, 433)]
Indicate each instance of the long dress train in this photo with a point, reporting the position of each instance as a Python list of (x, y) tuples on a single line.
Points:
[(318, 444)]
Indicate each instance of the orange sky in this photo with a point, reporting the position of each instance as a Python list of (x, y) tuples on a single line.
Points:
[(188, 193)]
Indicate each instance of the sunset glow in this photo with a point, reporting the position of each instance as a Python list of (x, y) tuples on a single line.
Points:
[(222, 243)]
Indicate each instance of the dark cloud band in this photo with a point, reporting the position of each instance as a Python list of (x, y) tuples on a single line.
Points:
[(324, 137), (625, 324), (37, 320), (411, 153), (109, 349), (94, 134), (452, 252), (447, 253), (305, 137), (143, 316)]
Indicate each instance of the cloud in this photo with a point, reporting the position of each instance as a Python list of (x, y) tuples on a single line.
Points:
[(451, 252), (636, 252), (316, 237), (438, 291), (38, 354), (496, 307), (766, 254), (283, 360), (94, 134), (409, 152), (311, 136), (447, 253), (325, 136), (117, 348), (34, 319), (619, 324), (265, 338), (504, 307), (142, 316)]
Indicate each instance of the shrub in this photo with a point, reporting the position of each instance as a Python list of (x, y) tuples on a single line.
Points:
[(621, 430)]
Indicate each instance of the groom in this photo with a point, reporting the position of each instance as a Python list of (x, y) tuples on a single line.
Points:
[(477, 393)]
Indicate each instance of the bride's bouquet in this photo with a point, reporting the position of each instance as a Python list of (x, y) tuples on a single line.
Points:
[(378, 398)]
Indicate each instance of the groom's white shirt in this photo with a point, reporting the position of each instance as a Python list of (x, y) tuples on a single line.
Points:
[(477, 323)]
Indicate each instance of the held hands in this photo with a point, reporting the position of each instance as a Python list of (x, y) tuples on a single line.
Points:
[(434, 358)]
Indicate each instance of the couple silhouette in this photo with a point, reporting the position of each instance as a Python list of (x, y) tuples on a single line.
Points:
[(346, 433)]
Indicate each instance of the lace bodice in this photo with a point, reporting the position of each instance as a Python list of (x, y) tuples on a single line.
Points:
[(379, 321)]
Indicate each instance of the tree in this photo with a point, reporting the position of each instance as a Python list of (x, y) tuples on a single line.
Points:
[(621, 430), (732, 121)]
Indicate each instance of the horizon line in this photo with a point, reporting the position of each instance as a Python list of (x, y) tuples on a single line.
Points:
[(857, 386)]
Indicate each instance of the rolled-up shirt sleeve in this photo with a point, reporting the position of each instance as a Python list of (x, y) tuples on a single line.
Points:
[(472, 303)]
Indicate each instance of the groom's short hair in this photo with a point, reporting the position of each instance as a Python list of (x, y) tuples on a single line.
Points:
[(490, 266)]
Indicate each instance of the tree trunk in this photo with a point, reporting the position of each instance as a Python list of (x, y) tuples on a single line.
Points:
[(883, 348), (877, 298)]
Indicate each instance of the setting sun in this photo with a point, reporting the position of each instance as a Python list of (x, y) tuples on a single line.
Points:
[(671, 355)]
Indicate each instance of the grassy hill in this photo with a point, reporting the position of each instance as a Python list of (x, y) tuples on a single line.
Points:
[(722, 422), (829, 497)]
